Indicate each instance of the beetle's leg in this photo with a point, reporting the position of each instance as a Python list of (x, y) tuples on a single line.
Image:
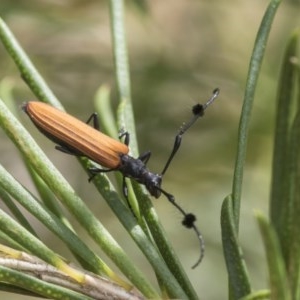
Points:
[(94, 117), (127, 136), (145, 157), (95, 170)]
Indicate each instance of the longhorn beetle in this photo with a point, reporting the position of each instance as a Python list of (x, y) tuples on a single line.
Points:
[(75, 137)]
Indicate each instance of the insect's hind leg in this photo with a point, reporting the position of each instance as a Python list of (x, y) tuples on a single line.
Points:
[(95, 171), (96, 125), (94, 117), (125, 134)]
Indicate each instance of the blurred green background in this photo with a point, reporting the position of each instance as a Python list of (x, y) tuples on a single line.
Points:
[(179, 51)]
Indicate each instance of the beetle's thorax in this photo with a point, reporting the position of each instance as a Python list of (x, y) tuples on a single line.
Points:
[(135, 168)]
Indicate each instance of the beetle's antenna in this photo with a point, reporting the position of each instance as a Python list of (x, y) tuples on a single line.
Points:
[(198, 111), (189, 222)]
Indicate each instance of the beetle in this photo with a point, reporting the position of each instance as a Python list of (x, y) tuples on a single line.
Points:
[(75, 137)]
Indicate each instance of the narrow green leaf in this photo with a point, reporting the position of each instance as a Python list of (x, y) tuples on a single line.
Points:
[(293, 266), (258, 295), (103, 106), (47, 197), (11, 186), (236, 267), (284, 201), (241, 286), (253, 74), (26, 68), (7, 240), (278, 277), (38, 286), (34, 245), (163, 244), (15, 210), (126, 117)]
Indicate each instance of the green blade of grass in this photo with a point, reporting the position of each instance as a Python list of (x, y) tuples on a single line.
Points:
[(163, 244), (278, 277), (252, 78), (258, 295), (293, 242), (126, 117), (11, 186), (35, 246), (38, 286), (26, 68), (284, 202), (236, 267), (5, 197)]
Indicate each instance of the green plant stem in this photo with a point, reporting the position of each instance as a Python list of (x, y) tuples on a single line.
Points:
[(126, 117), (284, 210), (162, 243), (278, 277), (236, 267), (233, 259), (33, 244), (254, 68), (26, 68), (11, 186), (38, 286), (5, 197)]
